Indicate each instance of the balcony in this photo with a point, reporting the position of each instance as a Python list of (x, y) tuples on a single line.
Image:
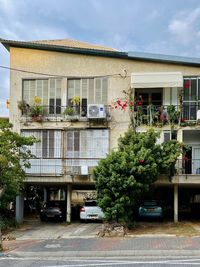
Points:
[(153, 115), (65, 113), (61, 166)]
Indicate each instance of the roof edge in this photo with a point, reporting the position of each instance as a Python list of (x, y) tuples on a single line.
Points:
[(33, 45)]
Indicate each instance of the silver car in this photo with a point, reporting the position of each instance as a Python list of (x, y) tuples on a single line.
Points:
[(90, 211)]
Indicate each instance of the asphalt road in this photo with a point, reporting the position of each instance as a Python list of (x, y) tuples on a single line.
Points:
[(51, 245), (144, 262)]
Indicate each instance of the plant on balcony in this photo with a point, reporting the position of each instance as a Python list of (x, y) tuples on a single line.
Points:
[(173, 114), (75, 101), (68, 111), (37, 110), (23, 106)]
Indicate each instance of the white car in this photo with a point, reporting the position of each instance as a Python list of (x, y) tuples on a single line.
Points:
[(90, 211)]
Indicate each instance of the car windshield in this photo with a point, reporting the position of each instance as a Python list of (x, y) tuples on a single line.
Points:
[(90, 203)]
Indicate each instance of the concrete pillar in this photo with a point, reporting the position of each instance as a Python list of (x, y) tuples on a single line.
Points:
[(69, 194), (19, 210), (179, 164), (175, 203), (45, 194)]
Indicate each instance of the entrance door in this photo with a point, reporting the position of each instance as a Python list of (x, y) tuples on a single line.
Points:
[(195, 160)]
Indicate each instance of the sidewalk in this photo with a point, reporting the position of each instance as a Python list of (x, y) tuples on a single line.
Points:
[(104, 247)]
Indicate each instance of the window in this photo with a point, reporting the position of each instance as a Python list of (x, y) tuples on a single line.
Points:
[(191, 97), (87, 143), (90, 91), (49, 145), (49, 90)]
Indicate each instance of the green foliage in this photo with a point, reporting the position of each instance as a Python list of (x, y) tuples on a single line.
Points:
[(36, 110), (68, 111), (126, 174), (13, 158), (173, 114)]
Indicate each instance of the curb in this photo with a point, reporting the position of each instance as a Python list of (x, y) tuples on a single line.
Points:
[(116, 253)]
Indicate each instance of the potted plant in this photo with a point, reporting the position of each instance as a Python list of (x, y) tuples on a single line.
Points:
[(75, 100), (23, 106), (68, 111), (37, 110), (76, 104)]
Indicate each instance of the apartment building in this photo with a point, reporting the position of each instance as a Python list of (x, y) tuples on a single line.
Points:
[(61, 91)]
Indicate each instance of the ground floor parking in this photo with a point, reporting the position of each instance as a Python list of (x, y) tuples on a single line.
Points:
[(178, 201)]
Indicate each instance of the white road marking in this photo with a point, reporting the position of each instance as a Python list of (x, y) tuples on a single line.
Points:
[(52, 246)]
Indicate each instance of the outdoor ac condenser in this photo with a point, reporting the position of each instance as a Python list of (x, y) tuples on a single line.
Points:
[(96, 111), (198, 115)]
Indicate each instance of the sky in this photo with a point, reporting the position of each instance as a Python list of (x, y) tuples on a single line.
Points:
[(156, 26)]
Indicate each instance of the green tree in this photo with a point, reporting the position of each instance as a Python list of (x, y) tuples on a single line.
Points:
[(14, 157), (126, 174)]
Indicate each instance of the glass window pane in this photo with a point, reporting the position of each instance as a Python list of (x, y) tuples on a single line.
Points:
[(193, 90), (186, 89)]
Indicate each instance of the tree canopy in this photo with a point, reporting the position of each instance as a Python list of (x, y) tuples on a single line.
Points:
[(14, 157), (124, 175)]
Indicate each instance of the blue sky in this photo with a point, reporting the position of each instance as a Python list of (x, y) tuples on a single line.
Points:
[(157, 26)]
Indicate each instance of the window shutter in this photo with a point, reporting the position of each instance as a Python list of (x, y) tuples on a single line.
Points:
[(77, 87), (91, 92), (104, 91), (84, 88), (39, 88), (32, 92), (45, 92), (51, 144), (44, 144), (98, 91), (83, 143), (26, 91), (70, 143)]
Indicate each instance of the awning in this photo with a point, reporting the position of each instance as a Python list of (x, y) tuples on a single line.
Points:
[(156, 79)]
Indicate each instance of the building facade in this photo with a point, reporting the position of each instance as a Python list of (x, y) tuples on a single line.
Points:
[(62, 92)]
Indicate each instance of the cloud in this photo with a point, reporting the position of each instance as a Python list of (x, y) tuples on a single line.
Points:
[(185, 26)]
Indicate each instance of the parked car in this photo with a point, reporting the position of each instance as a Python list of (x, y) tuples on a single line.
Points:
[(90, 211), (150, 209), (52, 211)]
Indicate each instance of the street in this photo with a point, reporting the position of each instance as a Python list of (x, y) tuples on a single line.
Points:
[(140, 262), (77, 244)]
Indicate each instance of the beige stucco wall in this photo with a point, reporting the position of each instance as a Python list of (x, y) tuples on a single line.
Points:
[(75, 65)]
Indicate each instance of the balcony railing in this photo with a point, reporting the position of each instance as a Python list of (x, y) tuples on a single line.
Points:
[(61, 113), (61, 166), (184, 115), (188, 166)]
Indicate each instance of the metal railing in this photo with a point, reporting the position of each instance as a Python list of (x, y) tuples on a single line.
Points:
[(61, 166), (56, 112), (188, 166), (166, 114)]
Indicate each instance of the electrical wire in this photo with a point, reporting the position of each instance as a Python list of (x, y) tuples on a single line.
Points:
[(65, 76)]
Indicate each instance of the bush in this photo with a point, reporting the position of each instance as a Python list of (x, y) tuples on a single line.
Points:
[(6, 223)]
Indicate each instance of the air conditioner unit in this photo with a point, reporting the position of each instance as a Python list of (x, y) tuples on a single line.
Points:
[(96, 111), (84, 170), (198, 115)]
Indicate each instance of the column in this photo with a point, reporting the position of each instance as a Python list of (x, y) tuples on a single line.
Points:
[(45, 194), (175, 203), (179, 164), (69, 193), (19, 209)]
